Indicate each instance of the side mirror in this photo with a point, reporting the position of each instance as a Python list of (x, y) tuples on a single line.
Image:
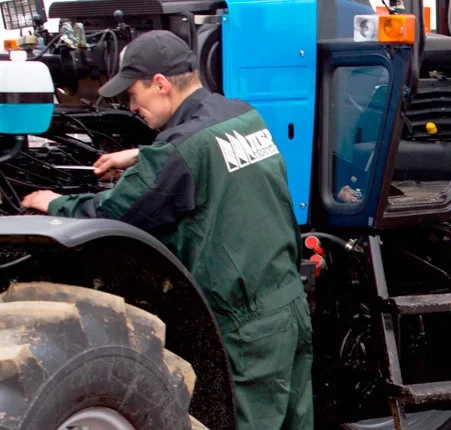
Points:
[(26, 97)]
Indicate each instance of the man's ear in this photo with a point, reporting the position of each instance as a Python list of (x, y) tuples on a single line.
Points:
[(163, 85)]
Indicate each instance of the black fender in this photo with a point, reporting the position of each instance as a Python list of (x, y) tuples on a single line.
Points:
[(121, 259)]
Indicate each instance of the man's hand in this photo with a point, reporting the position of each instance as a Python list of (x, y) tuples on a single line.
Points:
[(349, 195), (40, 200), (116, 160)]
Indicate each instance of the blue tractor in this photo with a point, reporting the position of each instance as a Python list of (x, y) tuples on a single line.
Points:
[(358, 105)]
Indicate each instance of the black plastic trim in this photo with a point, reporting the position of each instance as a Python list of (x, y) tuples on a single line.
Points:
[(71, 232), (26, 98)]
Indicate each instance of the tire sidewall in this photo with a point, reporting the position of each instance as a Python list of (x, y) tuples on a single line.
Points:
[(137, 387)]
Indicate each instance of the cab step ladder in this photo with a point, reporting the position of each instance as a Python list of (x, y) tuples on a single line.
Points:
[(405, 305)]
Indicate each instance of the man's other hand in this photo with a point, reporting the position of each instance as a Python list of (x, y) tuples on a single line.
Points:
[(40, 200), (116, 160)]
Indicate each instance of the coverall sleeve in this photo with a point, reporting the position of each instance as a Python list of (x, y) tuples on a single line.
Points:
[(159, 184)]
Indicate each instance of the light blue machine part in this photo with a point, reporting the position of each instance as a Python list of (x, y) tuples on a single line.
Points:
[(26, 97), (269, 60)]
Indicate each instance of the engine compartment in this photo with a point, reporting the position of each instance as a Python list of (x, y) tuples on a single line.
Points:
[(60, 159), (82, 56)]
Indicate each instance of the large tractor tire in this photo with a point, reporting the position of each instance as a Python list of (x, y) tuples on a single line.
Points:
[(76, 358)]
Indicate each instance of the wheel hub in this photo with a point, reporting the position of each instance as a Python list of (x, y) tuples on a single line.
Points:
[(96, 419)]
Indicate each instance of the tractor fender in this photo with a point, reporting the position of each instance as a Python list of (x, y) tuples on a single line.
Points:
[(118, 258)]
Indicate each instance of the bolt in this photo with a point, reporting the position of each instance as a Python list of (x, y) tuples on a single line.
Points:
[(97, 283), (55, 222), (302, 205), (167, 285), (301, 53)]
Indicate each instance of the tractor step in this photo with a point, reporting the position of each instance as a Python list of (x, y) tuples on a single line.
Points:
[(425, 304), (419, 394), (391, 309)]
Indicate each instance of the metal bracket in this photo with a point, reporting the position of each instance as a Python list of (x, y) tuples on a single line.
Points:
[(207, 19)]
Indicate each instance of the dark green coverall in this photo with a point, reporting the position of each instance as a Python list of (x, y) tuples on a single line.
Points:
[(212, 188)]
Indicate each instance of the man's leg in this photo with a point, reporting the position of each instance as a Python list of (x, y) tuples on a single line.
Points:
[(261, 354), (300, 405)]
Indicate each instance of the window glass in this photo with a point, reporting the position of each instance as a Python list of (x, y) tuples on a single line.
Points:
[(358, 102)]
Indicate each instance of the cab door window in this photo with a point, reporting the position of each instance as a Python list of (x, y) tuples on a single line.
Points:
[(358, 101)]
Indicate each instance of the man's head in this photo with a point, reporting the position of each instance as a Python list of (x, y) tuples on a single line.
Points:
[(159, 70)]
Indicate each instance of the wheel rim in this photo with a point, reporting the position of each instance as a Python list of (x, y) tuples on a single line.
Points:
[(96, 419)]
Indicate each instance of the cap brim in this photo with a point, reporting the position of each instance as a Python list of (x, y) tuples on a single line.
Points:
[(116, 85)]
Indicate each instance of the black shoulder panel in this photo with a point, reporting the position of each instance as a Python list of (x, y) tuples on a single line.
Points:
[(72, 232)]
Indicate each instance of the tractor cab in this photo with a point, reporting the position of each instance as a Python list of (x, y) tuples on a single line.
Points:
[(364, 84), (358, 104), (385, 155)]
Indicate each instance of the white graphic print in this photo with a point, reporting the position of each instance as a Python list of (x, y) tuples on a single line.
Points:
[(240, 151)]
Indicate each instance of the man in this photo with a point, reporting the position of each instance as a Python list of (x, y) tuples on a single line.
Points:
[(212, 187)]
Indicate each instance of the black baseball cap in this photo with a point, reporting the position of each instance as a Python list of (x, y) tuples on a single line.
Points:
[(157, 51)]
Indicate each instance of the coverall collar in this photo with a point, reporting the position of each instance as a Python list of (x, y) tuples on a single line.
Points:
[(185, 110)]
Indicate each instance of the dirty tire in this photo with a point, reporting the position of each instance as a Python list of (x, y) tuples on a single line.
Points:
[(64, 349)]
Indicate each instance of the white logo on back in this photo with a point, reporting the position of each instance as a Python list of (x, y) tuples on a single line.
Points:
[(240, 151)]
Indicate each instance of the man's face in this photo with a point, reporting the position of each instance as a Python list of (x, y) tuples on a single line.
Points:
[(151, 103)]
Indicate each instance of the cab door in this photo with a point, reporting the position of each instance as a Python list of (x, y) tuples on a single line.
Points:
[(361, 93)]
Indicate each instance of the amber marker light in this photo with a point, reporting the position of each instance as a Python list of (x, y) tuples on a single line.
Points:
[(10, 45), (397, 29)]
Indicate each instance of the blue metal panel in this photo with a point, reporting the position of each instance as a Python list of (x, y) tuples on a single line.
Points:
[(25, 118), (269, 60)]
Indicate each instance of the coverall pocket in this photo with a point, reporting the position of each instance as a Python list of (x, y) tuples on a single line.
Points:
[(266, 325), (261, 354), (258, 343)]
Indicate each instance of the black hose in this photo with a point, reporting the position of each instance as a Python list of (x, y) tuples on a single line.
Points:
[(111, 65), (49, 45), (95, 34), (45, 164), (29, 172), (16, 205), (19, 141), (115, 55), (106, 136), (77, 143), (80, 124)]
